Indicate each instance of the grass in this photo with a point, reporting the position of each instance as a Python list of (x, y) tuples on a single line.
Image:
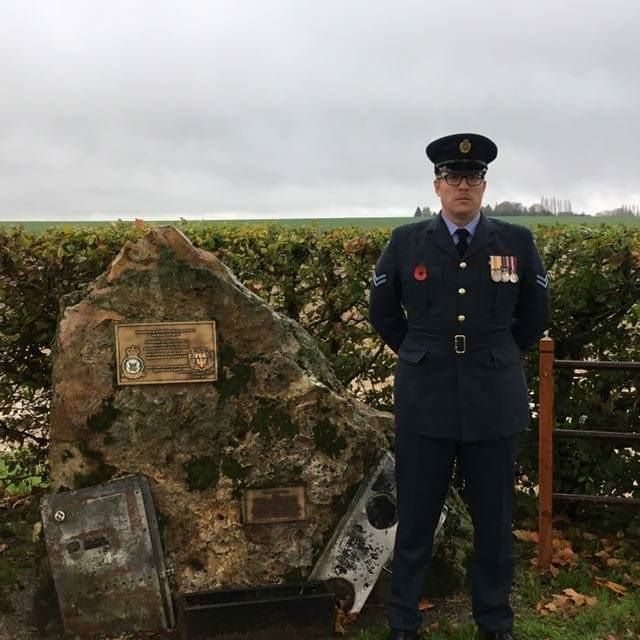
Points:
[(612, 617), (37, 226), (16, 542)]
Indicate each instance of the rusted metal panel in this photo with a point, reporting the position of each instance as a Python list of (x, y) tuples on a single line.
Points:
[(106, 558), (304, 610), (362, 544)]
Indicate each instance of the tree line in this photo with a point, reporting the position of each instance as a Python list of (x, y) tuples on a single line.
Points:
[(548, 207)]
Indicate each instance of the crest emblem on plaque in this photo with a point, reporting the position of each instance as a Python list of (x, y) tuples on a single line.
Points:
[(201, 359), (133, 365)]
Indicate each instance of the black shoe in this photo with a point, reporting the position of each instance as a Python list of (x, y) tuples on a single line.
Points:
[(403, 634), (496, 635)]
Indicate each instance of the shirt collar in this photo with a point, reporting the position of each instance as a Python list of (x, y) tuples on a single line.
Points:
[(470, 226)]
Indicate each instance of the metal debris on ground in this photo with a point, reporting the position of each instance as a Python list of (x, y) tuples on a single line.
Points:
[(273, 612), (362, 544), (106, 558)]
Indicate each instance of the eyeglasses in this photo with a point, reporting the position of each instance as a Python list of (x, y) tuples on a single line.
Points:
[(455, 179)]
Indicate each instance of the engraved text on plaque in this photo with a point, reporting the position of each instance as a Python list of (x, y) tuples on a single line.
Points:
[(283, 504)]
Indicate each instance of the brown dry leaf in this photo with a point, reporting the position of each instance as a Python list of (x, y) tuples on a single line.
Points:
[(424, 604), (554, 571), (609, 543), (603, 555), (579, 599), (355, 245), (564, 557), (613, 562), (630, 580), (612, 586), (559, 543), (616, 261), (559, 604), (526, 536), (3, 547), (589, 536)]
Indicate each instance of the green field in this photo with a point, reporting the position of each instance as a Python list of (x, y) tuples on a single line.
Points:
[(328, 223)]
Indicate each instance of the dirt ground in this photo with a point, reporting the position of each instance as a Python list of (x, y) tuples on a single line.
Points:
[(19, 624)]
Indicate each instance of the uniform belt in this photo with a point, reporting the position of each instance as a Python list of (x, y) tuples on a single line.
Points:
[(460, 343)]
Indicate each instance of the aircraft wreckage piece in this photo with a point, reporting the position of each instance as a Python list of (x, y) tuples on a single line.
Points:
[(106, 558), (303, 610), (362, 544)]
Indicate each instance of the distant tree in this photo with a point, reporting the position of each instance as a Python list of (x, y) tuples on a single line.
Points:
[(538, 210), (508, 208), (622, 211), (418, 213)]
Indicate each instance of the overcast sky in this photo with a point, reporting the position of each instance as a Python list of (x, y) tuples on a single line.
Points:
[(146, 108)]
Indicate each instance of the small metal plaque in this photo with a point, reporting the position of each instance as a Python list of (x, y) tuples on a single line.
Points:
[(165, 352), (282, 504)]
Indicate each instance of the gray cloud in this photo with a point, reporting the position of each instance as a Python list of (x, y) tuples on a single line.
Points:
[(294, 106)]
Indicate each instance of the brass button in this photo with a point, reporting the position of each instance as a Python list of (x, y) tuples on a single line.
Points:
[(460, 318), (463, 265), (462, 291)]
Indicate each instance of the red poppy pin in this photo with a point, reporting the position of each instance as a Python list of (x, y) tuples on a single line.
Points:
[(420, 272)]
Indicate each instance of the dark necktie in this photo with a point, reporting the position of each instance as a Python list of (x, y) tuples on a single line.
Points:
[(462, 245)]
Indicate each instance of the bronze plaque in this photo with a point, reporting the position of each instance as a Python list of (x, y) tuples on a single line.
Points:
[(164, 352), (283, 504)]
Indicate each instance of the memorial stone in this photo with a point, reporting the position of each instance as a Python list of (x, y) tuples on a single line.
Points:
[(265, 411)]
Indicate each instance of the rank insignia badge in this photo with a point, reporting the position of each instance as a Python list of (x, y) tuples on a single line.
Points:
[(504, 268), (379, 279), (542, 280)]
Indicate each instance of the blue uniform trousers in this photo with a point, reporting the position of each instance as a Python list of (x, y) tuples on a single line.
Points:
[(423, 471)]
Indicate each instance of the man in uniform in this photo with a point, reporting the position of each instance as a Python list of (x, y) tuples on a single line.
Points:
[(458, 297)]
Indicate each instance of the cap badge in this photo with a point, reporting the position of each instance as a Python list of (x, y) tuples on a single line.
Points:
[(420, 272), (465, 146)]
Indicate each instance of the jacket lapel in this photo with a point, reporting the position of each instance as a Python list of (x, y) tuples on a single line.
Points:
[(438, 234), (482, 237)]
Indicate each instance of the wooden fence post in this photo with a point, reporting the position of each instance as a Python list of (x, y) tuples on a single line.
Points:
[(545, 453)]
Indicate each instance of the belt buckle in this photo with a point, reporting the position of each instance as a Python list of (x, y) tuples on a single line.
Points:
[(460, 343)]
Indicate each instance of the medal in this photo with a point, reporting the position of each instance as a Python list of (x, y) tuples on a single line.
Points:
[(513, 271), (504, 270), (495, 268)]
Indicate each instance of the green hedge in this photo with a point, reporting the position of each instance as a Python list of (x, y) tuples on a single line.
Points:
[(321, 278)]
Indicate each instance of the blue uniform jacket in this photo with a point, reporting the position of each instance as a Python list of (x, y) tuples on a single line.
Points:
[(459, 335)]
